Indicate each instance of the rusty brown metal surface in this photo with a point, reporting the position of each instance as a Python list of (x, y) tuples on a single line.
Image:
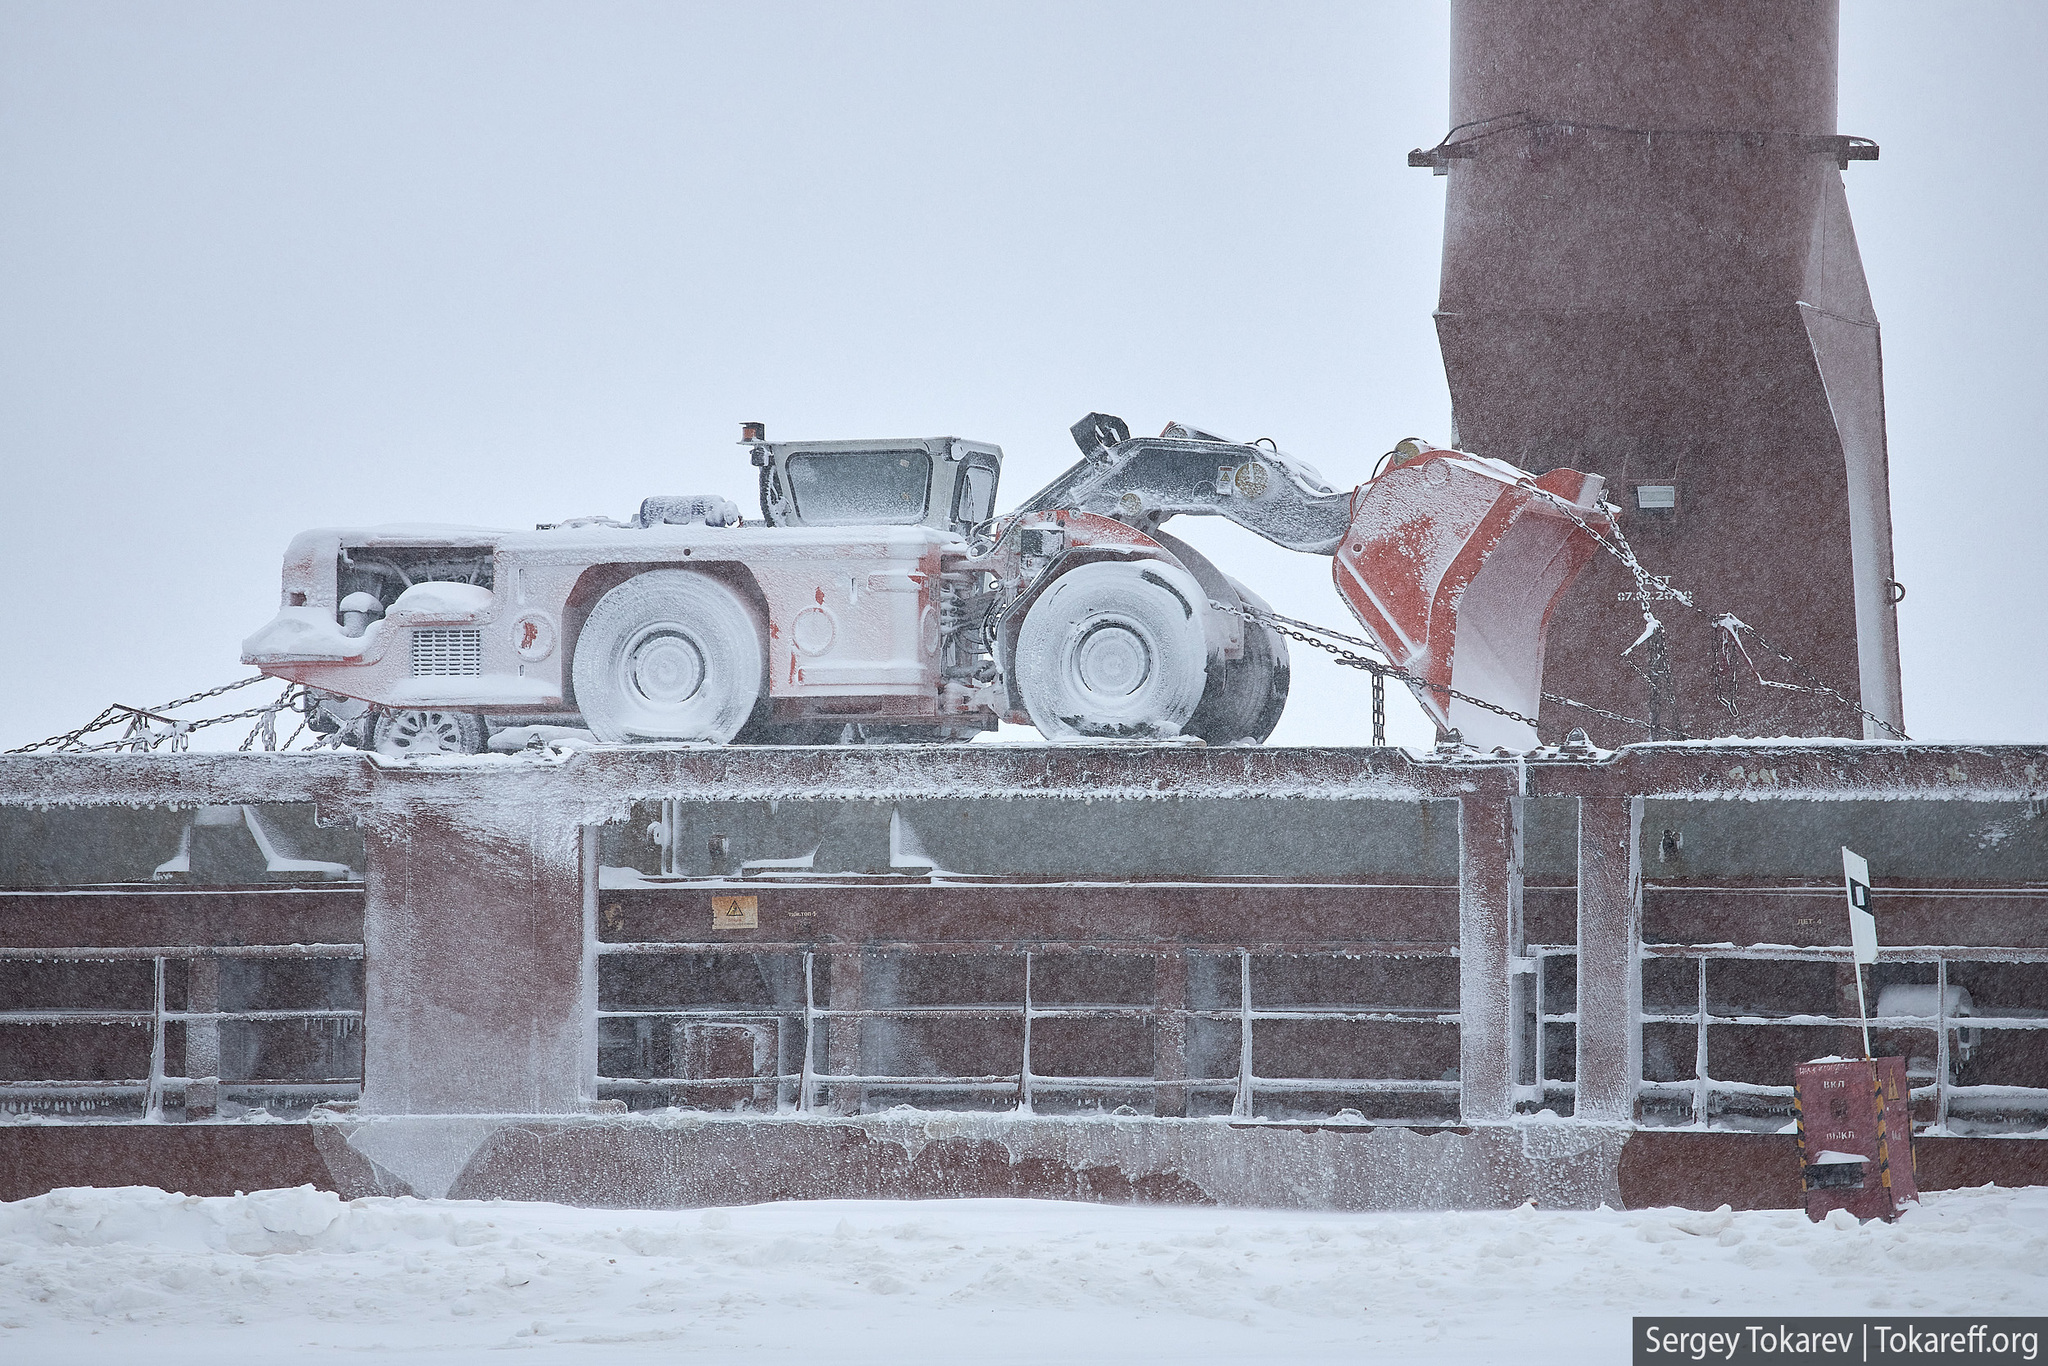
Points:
[(1342, 1167), (1073, 1026), (950, 918), (195, 1159), (1966, 918), (1649, 272), (1839, 772), (145, 916), (1761, 1171), (711, 1161), (1706, 1171), (630, 1164)]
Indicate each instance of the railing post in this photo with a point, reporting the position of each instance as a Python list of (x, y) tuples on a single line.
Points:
[(806, 1087), (589, 841), (1610, 997), (1702, 1078), (202, 1037), (842, 1032), (1489, 919), (1170, 1034), (1241, 1107), (153, 1098), (1942, 1061), (1024, 1096)]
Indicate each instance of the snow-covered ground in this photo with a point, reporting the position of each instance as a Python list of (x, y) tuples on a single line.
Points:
[(301, 1276)]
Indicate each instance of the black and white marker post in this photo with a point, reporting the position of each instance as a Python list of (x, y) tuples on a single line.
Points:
[(1862, 929)]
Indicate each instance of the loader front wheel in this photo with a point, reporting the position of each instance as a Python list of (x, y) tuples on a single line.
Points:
[(1114, 650), (668, 655), (1245, 696)]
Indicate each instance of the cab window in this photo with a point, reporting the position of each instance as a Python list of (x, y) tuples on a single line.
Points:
[(974, 494), (860, 488)]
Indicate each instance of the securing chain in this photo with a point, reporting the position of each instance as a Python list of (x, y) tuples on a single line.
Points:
[(1311, 635), (144, 736), (211, 692), (1648, 587), (1564, 701), (1307, 634)]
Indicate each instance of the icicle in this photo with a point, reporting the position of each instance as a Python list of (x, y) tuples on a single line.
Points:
[(1651, 626)]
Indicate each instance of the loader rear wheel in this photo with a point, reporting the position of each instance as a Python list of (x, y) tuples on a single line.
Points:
[(668, 655), (1114, 650), (1245, 697), (402, 734)]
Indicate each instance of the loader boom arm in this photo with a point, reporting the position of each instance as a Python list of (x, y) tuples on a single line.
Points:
[(1145, 480), (1453, 563)]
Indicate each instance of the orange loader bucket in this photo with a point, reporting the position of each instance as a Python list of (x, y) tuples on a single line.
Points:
[(1453, 563)]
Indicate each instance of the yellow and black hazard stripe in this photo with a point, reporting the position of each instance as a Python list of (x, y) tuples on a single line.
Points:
[(1799, 1121)]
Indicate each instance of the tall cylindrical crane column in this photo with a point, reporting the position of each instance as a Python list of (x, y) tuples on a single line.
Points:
[(1649, 271)]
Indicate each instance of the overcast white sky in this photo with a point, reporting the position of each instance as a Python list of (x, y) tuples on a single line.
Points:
[(267, 266)]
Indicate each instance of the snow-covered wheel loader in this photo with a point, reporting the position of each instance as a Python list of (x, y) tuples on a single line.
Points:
[(881, 599)]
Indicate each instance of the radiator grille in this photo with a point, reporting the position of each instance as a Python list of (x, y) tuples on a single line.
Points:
[(448, 654)]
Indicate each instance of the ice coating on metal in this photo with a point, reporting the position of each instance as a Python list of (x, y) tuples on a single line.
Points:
[(876, 584), (427, 1152), (1268, 491), (476, 927), (1114, 650), (670, 1159), (601, 782), (308, 633)]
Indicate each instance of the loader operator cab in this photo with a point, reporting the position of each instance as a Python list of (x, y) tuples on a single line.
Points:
[(940, 482)]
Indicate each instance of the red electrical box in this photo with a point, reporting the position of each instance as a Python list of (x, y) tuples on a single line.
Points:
[(1855, 1136)]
